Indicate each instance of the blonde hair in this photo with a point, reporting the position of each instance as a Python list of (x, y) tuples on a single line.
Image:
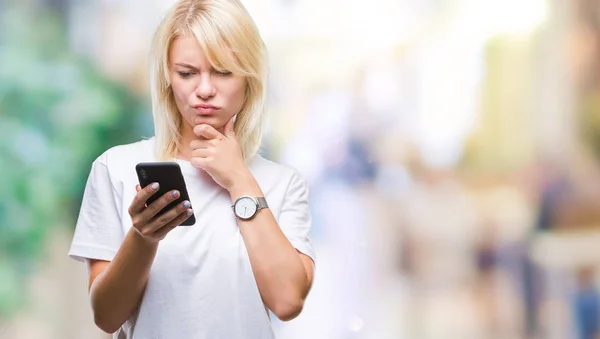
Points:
[(231, 41)]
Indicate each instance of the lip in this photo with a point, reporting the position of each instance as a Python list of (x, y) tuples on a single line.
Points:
[(205, 108)]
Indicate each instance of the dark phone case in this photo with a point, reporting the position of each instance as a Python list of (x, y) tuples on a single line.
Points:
[(168, 176)]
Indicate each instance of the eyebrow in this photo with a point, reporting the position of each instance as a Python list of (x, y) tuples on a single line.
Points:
[(186, 65)]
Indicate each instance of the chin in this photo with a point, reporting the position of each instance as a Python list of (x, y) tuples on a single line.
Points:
[(204, 119), (213, 120)]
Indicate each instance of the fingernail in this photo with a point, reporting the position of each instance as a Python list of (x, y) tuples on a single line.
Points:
[(190, 212), (186, 204), (174, 194), (155, 186)]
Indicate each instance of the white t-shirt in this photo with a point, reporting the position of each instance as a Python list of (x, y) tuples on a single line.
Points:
[(201, 283)]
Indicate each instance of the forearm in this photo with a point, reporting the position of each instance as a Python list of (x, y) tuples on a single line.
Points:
[(116, 292), (278, 270)]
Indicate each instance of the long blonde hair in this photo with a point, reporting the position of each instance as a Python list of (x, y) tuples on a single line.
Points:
[(229, 37)]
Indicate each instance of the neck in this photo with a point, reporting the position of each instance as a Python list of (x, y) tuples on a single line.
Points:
[(187, 135)]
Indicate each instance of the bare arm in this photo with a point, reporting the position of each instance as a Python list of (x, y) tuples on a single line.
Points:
[(116, 287), (283, 275)]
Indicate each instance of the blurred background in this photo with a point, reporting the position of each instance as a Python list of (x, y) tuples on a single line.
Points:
[(452, 148)]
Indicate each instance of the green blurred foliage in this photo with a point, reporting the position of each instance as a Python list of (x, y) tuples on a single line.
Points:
[(58, 112)]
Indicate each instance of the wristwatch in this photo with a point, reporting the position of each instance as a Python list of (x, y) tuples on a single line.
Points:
[(246, 207)]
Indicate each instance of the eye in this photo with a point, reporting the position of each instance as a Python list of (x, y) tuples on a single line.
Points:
[(184, 74), (225, 73)]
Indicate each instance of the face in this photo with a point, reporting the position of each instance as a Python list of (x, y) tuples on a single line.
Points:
[(203, 95)]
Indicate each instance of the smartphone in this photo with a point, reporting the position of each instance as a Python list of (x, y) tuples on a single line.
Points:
[(168, 175)]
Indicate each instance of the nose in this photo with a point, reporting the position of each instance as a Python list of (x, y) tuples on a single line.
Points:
[(205, 88)]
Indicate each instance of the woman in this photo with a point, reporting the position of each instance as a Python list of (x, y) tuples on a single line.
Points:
[(149, 278)]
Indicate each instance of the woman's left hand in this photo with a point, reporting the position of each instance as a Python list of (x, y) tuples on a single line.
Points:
[(220, 155)]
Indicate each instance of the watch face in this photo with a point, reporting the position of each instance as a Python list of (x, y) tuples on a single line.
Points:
[(245, 208)]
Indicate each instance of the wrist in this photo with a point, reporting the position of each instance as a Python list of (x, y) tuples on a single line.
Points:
[(143, 240), (244, 184)]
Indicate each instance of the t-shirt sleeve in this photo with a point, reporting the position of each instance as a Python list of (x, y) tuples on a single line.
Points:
[(295, 219), (98, 233)]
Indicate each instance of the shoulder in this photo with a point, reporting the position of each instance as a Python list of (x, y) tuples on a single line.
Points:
[(138, 151), (120, 160)]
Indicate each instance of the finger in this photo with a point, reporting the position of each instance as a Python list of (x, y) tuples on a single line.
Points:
[(164, 219), (202, 153), (229, 131), (207, 132), (162, 232), (138, 188), (139, 201), (199, 162), (199, 143), (154, 208)]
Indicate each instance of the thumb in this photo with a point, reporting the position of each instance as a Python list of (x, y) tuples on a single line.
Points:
[(229, 131)]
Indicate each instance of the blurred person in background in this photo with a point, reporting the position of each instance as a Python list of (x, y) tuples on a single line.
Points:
[(586, 307), (553, 189), (219, 278)]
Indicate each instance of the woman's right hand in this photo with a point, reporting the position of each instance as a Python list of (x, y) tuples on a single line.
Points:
[(151, 227)]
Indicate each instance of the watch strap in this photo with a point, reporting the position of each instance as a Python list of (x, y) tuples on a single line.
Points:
[(262, 203)]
